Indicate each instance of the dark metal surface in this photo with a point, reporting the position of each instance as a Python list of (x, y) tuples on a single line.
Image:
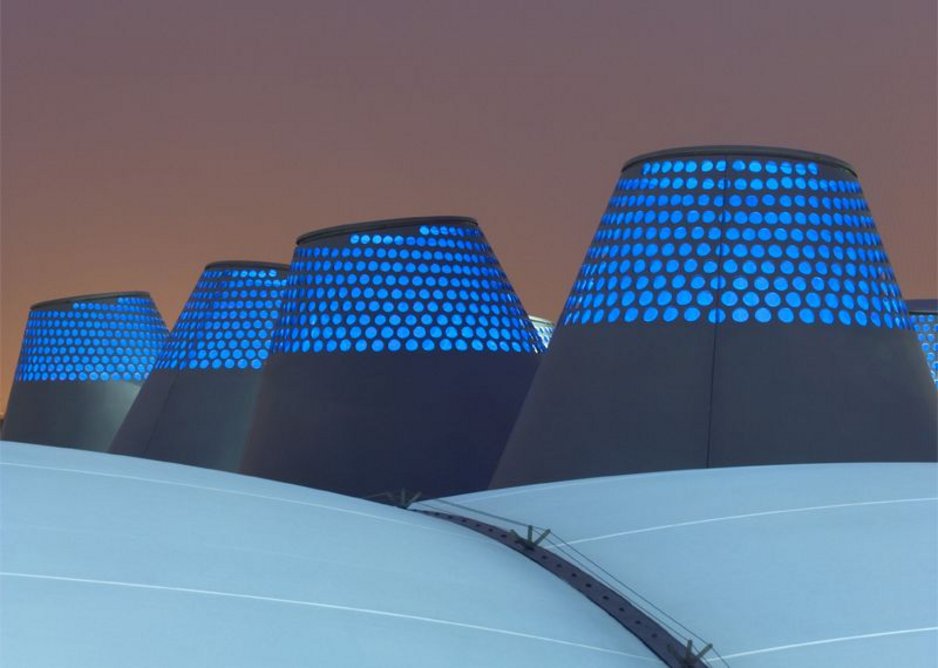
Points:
[(191, 417), (803, 394), (602, 403), (365, 424), (673, 652), (82, 415)]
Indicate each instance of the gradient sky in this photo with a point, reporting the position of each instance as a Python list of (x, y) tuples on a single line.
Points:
[(141, 140)]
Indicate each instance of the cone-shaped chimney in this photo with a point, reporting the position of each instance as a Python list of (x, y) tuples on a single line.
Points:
[(81, 364), (401, 359), (196, 406), (735, 307), (924, 316), (544, 329)]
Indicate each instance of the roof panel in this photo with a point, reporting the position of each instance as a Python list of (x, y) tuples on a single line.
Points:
[(114, 561), (833, 564)]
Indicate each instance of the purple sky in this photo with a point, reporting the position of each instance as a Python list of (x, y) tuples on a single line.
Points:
[(141, 140)]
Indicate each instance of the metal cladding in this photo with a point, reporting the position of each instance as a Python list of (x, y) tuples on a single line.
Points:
[(735, 307), (544, 329), (924, 316), (400, 362), (81, 364), (196, 406)]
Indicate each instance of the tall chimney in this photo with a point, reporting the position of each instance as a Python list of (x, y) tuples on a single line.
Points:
[(735, 307)]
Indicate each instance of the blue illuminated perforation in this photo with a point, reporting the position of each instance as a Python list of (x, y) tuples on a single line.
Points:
[(414, 289), (117, 339), (544, 329), (228, 321), (926, 328), (741, 240)]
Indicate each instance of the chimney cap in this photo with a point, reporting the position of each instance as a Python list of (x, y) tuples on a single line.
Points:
[(761, 151), (247, 264), (385, 224), (94, 297), (922, 305)]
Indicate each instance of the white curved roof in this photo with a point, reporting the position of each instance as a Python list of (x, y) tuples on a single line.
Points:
[(110, 562), (802, 565)]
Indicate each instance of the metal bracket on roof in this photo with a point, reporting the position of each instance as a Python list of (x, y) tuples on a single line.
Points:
[(400, 498), (530, 542), (673, 652), (690, 655)]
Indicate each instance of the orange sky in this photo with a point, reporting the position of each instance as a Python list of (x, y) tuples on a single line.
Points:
[(141, 140)]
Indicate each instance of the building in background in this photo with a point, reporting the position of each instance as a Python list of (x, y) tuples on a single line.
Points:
[(400, 362), (81, 364), (736, 307), (196, 406)]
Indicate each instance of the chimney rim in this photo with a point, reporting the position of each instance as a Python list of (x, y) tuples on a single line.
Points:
[(922, 306), (92, 297), (383, 224), (744, 149), (247, 264)]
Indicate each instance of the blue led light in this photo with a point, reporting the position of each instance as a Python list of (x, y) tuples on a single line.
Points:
[(722, 249), (433, 287), (99, 339), (926, 328), (228, 321)]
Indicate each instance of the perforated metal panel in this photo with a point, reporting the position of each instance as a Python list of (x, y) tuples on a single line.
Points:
[(229, 319), (424, 287), (91, 338), (750, 238)]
